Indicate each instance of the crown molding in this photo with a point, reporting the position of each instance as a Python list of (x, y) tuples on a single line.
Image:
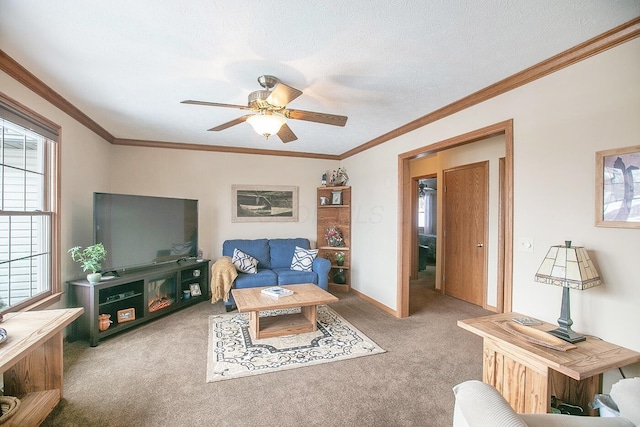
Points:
[(594, 46), (220, 149), (22, 75)]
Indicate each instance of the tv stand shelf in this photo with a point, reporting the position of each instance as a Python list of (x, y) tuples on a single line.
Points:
[(137, 296)]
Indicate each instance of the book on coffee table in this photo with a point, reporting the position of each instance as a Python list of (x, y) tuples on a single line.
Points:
[(277, 291)]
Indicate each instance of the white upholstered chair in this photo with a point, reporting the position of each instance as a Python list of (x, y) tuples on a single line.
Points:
[(481, 405)]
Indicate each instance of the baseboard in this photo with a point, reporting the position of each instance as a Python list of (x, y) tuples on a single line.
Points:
[(374, 302)]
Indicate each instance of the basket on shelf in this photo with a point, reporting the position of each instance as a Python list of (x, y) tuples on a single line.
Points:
[(8, 407)]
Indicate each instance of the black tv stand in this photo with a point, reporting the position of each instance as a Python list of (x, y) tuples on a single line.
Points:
[(136, 296)]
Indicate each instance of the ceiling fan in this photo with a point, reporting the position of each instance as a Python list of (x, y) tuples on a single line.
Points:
[(270, 112)]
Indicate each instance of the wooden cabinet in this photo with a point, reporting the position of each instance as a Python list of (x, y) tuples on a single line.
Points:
[(31, 362), (334, 209), (138, 296), (528, 374)]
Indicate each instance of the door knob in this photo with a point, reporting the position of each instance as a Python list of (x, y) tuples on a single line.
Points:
[(479, 245)]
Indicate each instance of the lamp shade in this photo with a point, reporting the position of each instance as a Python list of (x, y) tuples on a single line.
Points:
[(266, 124), (568, 266)]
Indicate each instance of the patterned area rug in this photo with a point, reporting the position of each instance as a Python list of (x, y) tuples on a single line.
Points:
[(233, 353)]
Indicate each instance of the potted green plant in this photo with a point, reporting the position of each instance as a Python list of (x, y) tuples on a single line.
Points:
[(90, 258), (339, 256)]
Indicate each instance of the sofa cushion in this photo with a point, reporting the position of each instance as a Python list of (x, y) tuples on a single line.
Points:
[(264, 277), (303, 259), (286, 276), (558, 420), (282, 251), (258, 248), (244, 263)]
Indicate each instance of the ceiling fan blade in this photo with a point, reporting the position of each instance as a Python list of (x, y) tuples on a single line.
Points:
[(286, 134), (282, 94), (215, 104), (310, 116), (231, 123)]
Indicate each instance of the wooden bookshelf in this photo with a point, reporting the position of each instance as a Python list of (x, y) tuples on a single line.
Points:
[(339, 215)]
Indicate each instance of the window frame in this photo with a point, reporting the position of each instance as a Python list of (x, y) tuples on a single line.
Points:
[(25, 117)]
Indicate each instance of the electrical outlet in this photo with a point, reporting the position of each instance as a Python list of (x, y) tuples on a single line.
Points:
[(525, 244)]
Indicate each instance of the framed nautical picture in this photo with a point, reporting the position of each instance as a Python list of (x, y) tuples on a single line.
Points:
[(264, 203), (618, 187)]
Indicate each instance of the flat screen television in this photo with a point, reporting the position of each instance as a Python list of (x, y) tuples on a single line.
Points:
[(140, 231)]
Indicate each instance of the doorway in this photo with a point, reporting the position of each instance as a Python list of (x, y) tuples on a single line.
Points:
[(407, 258), (427, 221), (424, 273), (424, 224)]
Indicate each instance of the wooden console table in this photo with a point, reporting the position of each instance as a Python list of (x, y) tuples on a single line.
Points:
[(527, 374), (31, 361)]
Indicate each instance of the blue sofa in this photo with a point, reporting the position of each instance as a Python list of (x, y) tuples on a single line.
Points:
[(274, 264)]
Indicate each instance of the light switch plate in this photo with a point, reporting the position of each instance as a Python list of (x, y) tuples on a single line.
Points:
[(525, 244)]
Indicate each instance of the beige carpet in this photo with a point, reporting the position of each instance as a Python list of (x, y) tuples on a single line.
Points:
[(232, 353), (155, 374)]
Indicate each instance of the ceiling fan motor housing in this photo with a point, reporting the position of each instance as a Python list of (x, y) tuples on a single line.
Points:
[(258, 99)]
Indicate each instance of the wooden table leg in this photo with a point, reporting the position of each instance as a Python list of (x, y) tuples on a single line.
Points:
[(254, 324), (310, 312)]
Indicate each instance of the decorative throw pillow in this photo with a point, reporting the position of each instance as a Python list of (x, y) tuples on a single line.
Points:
[(303, 259), (244, 262)]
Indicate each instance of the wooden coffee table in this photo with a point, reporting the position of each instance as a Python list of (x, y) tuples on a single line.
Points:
[(306, 296)]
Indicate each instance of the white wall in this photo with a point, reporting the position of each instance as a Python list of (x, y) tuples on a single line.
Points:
[(560, 121), (208, 177)]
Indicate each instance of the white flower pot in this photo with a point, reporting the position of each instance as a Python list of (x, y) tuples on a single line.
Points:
[(94, 277)]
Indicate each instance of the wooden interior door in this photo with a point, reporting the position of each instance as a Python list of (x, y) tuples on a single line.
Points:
[(465, 232)]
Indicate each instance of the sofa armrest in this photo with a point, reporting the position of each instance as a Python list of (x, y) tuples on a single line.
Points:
[(321, 267), (479, 404)]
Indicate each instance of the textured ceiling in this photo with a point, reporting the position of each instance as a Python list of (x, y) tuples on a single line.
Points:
[(128, 64)]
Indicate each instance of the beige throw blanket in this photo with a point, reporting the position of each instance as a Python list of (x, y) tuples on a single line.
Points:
[(223, 273)]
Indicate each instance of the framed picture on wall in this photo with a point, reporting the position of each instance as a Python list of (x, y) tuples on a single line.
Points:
[(264, 203), (618, 187)]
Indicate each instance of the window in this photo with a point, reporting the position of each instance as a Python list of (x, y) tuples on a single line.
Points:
[(28, 229), (427, 200)]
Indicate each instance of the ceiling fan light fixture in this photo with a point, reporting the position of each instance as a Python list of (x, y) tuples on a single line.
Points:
[(266, 124)]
